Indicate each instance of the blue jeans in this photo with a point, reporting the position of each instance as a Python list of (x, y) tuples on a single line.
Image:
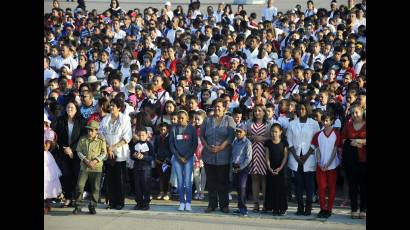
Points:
[(184, 178), (241, 178)]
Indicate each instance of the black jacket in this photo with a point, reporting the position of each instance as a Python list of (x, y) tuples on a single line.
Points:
[(60, 126), (145, 162), (161, 149)]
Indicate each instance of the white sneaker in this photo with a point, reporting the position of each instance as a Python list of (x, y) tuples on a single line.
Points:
[(201, 196), (196, 197), (181, 207), (230, 196), (188, 207)]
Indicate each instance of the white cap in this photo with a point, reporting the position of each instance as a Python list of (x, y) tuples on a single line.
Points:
[(208, 78), (168, 3)]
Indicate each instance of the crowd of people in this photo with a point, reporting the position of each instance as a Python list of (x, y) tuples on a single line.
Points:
[(214, 100)]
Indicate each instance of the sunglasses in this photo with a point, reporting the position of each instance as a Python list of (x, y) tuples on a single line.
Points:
[(343, 60)]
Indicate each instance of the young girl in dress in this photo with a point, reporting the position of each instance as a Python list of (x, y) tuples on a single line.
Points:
[(276, 155), (52, 186)]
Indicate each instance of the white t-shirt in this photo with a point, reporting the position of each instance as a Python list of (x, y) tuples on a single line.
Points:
[(170, 14), (263, 63), (268, 13), (49, 74), (119, 35), (326, 144), (250, 56), (358, 67), (60, 62)]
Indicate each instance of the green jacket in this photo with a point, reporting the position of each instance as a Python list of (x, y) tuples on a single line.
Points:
[(92, 150)]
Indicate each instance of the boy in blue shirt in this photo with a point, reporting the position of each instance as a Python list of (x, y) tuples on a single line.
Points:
[(241, 157)]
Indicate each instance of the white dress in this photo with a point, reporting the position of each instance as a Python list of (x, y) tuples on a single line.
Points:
[(52, 186)]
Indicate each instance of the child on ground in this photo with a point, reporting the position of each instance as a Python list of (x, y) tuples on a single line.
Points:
[(276, 155), (91, 150), (199, 169), (183, 142), (142, 153), (241, 158), (52, 186), (326, 143), (163, 156)]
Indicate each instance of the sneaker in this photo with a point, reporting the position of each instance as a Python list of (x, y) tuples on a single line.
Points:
[(146, 207), (166, 197), (328, 214), (196, 197), (201, 196), (181, 207), (362, 215), (275, 213), (230, 196), (160, 196), (244, 212), (138, 207), (188, 207), (355, 215)]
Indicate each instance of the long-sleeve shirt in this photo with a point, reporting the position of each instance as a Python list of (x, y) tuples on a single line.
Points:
[(241, 152), (147, 150), (91, 149), (162, 150), (215, 135), (183, 141), (299, 135), (115, 132)]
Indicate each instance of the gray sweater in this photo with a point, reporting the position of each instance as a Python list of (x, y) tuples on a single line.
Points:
[(216, 135), (183, 141)]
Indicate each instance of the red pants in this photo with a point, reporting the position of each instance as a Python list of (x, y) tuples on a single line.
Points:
[(326, 179)]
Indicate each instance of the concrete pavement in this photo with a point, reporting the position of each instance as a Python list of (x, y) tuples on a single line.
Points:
[(164, 215)]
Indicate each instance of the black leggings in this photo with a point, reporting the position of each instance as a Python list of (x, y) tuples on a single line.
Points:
[(356, 177)]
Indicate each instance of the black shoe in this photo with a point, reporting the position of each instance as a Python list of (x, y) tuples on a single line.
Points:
[(300, 211), (118, 206), (92, 210), (328, 214), (225, 210), (145, 208), (237, 212), (308, 212), (275, 213), (209, 209), (77, 211), (282, 213), (308, 209), (321, 214)]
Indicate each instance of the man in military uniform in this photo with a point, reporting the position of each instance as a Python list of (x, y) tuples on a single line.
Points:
[(91, 150)]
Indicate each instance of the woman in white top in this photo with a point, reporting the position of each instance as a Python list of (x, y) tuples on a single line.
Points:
[(302, 160), (116, 130)]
